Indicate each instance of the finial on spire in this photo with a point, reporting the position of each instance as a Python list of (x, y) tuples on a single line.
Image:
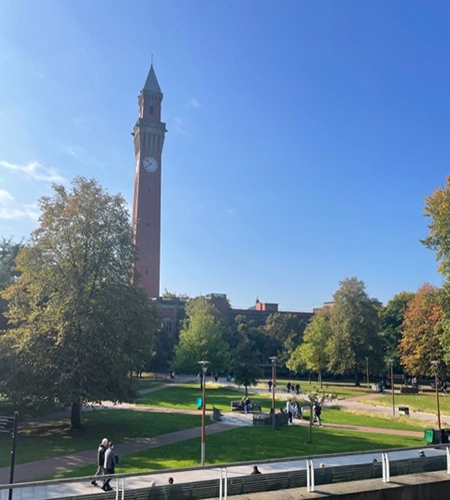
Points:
[(152, 60)]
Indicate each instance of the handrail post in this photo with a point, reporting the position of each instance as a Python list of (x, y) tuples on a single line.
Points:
[(123, 488), (386, 468), (220, 484), (226, 484), (447, 452), (310, 486)]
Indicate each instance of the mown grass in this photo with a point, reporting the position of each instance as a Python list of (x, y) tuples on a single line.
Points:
[(254, 444), (418, 402), (56, 439)]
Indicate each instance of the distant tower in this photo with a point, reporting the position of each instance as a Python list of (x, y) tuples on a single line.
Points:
[(148, 133)]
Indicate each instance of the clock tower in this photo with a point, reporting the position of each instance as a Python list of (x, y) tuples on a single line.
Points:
[(148, 133)]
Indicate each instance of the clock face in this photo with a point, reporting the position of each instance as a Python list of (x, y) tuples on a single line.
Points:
[(150, 164)]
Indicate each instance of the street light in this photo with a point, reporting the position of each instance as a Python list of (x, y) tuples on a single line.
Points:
[(273, 359), (392, 387), (367, 372), (438, 409), (204, 367)]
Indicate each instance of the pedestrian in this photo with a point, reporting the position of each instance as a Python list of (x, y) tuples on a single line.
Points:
[(255, 471), (109, 465), (317, 413), (216, 377), (100, 460), (289, 410), (288, 387), (297, 389), (170, 480), (269, 383)]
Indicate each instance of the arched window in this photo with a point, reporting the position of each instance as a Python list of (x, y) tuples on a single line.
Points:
[(152, 109)]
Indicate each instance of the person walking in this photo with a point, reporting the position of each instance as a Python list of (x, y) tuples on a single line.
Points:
[(269, 383), (297, 389), (100, 460), (109, 465), (288, 387), (317, 413)]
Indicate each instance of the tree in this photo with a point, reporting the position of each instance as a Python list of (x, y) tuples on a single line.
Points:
[(80, 324), (312, 354), (420, 343), (201, 338), (245, 356), (283, 332), (391, 325), (437, 208), (8, 273), (355, 330)]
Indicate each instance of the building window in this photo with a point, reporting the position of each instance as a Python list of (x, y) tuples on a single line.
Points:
[(152, 109), (167, 324)]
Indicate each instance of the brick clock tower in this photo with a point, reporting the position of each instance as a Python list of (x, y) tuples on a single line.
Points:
[(148, 133)]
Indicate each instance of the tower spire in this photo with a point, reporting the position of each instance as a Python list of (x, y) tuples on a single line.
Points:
[(151, 84)]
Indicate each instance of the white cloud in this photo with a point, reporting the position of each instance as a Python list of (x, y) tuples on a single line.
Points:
[(5, 198), (178, 125), (33, 170), (10, 213), (194, 103)]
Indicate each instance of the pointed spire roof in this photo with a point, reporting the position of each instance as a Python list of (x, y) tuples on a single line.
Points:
[(152, 82)]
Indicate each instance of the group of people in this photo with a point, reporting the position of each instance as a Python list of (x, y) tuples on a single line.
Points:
[(106, 463), (246, 404), (290, 388)]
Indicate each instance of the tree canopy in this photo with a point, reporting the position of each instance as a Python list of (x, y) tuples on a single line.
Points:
[(355, 330), (201, 338), (80, 324)]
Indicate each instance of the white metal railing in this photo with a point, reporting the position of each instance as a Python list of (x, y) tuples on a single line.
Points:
[(386, 468), (310, 486), (223, 484)]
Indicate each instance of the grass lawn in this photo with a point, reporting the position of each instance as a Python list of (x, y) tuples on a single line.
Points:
[(145, 383), (55, 438), (342, 390), (185, 396), (336, 416), (419, 402), (254, 443)]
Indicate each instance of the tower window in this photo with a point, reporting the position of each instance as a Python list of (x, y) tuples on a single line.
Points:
[(152, 110)]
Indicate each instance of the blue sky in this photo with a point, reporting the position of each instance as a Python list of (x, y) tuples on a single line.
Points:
[(302, 136)]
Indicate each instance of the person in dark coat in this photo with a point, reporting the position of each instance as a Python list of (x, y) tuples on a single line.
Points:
[(109, 465), (100, 460), (255, 470)]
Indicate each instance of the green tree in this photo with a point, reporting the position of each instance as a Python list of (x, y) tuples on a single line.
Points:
[(245, 364), (8, 273), (355, 330), (283, 332), (437, 209), (312, 354), (391, 325), (80, 324), (421, 340), (201, 338)]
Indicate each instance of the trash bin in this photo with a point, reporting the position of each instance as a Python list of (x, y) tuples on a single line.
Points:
[(403, 410), (436, 436), (428, 435)]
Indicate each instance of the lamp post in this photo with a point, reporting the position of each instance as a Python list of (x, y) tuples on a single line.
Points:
[(273, 359), (204, 367), (392, 387), (367, 372), (438, 409)]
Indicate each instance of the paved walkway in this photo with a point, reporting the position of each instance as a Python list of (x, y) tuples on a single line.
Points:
[(85, 488)]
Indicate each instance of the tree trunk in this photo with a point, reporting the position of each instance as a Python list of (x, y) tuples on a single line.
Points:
[(357, 379), (75, 418), (246, 391), (320, 379), (309, 378)]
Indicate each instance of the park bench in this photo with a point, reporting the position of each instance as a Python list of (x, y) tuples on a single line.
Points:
[(237, 406), (409, 390), (217, 414)]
